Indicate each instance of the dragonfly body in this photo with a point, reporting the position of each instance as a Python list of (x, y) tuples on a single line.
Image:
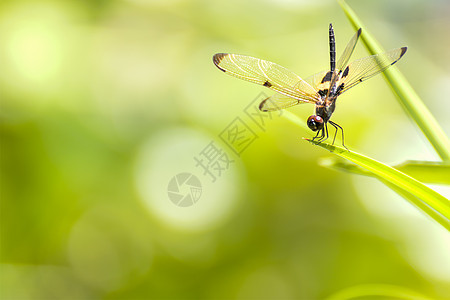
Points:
[(321, 89), (323, 111)]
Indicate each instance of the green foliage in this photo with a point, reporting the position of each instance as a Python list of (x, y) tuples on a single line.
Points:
[(426, 199), (424, 171)]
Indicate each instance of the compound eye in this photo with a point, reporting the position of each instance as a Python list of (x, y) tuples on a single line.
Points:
[(315, 123)]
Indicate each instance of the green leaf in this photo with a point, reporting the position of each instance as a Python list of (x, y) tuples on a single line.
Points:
[(426, 199), (406, 95), (424, 171), (410, 167), (419, 204), (427, 171)]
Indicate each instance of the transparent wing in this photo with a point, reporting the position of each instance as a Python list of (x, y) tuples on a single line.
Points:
[(367, 67), (345, 56), (267, 74), (277, 102)]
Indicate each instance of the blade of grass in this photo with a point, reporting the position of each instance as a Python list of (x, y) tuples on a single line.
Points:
[(427, 171), (427, 200), (432, 199), (419, 204), (343, 165), (408, 98), (424, 171)]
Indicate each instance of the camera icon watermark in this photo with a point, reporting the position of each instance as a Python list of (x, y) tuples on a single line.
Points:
[(184, 189)]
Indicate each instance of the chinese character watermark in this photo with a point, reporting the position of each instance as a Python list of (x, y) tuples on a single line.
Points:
[(238, 136), (185, 189), (213, 161)]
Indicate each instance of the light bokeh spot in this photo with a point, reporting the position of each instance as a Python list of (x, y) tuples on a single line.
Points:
[(171, 152)]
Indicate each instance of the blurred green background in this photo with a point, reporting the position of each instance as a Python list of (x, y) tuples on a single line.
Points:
[(104, 102)]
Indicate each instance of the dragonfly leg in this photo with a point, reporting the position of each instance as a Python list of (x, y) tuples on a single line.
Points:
[(342, 131), (335, 132), (317, 134), (319, 137), (324, 135)]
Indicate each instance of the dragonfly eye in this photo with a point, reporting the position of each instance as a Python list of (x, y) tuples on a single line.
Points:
[(315, 123)]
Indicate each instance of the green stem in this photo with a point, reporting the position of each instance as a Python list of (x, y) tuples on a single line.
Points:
[(427, 200), (406, 95), (403, 181)]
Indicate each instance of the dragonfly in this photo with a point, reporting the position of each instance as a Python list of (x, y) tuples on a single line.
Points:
[(321, 89)]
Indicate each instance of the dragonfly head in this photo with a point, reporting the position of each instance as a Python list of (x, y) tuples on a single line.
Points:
[(315, 123)]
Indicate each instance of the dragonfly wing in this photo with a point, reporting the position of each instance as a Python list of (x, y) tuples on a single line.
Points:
[(277, 102), (345, 56), (266, 73), (362, 69)]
